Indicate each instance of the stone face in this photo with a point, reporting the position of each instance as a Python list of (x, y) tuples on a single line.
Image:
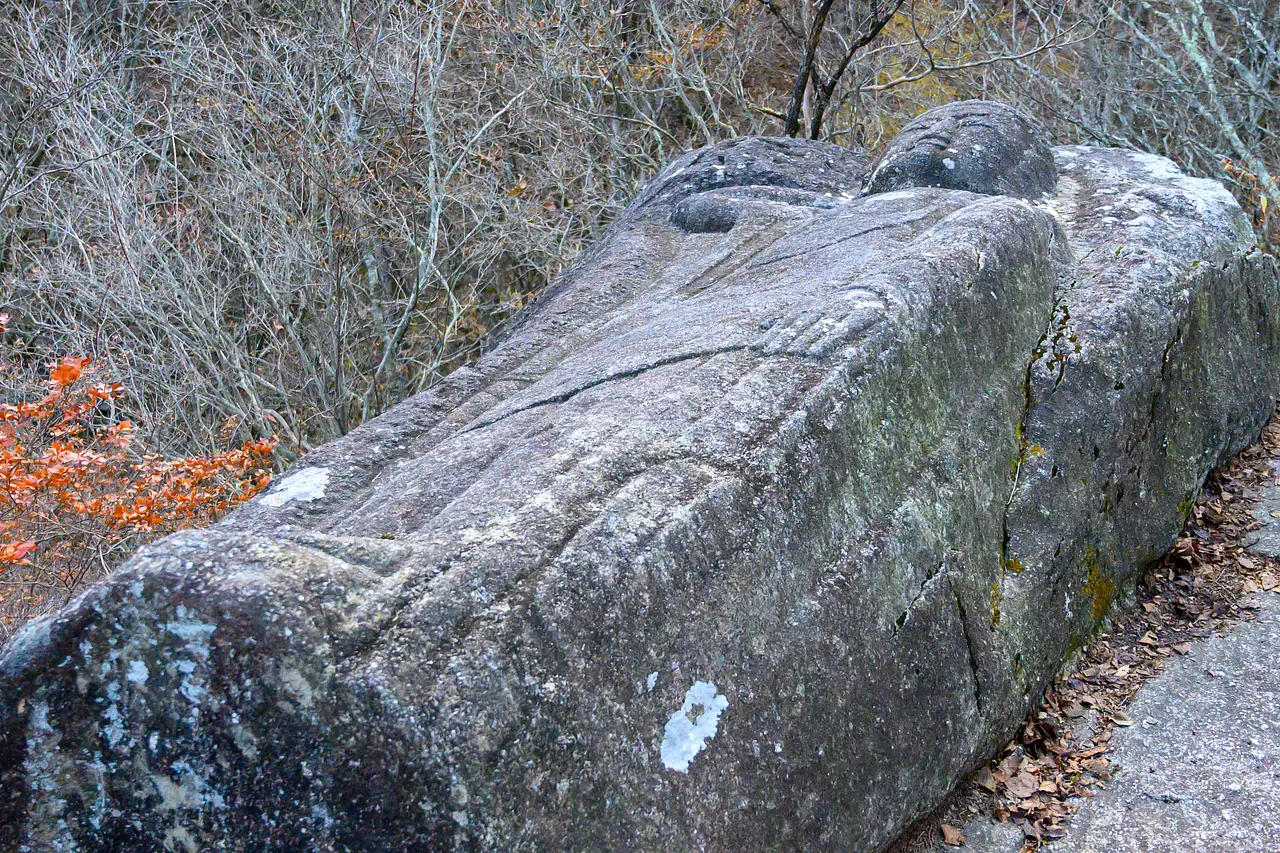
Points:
[(977, 146), (760, 528), (775, 168)]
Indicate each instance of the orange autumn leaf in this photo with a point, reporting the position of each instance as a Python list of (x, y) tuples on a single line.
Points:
[(78, 493), (119, 435), (16, 552), (68, 371)]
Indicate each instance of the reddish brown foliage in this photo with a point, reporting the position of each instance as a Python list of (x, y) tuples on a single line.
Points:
[(78, 493)]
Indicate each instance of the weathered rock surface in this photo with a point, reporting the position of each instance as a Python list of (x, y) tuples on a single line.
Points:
[(978, 146), (760, 529)]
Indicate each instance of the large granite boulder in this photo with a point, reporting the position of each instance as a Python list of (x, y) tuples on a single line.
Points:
[(760, 528)]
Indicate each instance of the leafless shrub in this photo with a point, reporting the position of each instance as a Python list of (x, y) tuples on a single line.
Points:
[(1195, 80), (291, 216), (277, 217)]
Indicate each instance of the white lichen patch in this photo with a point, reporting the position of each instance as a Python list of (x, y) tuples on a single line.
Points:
[(184, 790), (687, 732), (138, 673), (303, 486), (244, 738), (195, 633), (196, 636), (113, 731)]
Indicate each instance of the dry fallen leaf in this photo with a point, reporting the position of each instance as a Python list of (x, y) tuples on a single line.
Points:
[(1121, 719), (1096, 766), (952, 835), (1023, 785)]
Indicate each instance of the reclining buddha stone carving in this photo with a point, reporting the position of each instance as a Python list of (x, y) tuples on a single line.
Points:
[(710, 551)]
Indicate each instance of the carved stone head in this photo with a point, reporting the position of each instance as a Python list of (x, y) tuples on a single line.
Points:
[(979, 146)]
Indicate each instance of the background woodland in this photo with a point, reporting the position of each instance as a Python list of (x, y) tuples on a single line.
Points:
[(259, 223)]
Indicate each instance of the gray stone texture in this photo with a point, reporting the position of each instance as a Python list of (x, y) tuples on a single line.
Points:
[(757, 531), (977, 146)]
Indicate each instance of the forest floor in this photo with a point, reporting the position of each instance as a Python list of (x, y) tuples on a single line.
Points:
[(1165, 733)]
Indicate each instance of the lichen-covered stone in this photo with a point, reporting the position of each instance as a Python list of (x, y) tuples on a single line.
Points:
[(744, 538), (977, 146)]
